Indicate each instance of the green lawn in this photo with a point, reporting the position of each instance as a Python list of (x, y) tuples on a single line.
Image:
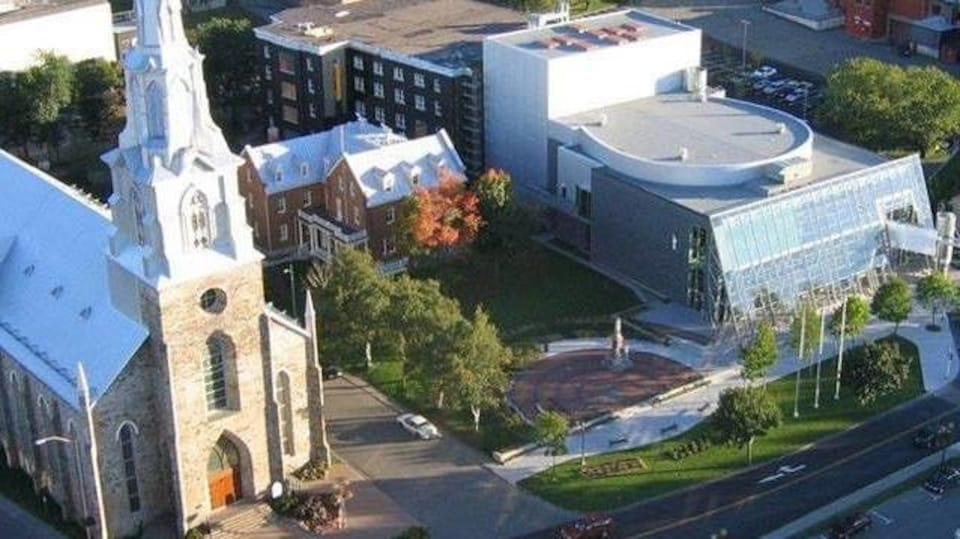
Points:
[(571, 490), (498, 430), (533, 291)]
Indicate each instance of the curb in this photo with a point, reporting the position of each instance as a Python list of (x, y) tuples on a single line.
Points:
[(825, 513)]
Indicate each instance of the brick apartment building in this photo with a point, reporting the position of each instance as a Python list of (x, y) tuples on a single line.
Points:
[(414, 66), (344, 187), (927, 27)]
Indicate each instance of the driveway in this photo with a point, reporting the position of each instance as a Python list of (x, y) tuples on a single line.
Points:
[(441, 483)]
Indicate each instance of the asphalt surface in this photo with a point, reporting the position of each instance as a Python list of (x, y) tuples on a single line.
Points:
[(916, 513), (441, 483), (756, 502), (16, 523)]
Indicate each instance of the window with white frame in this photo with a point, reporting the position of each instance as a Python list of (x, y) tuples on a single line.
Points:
[(377, 67), (391, 215), (389, 246), (436, 85), (400, 120), (378, 114), (378, 90), (419, 102), (419, 80), (312, 110), (307, 198), (398, 96), (304, 169), (287, 63), (398, 74), (281, 204), (310, 87), (359, 84), (309, 64), (269, 97), (356, 216), (284, 233), (266, 51), (358, 63), (267, 73), (361, 108), (437, 109)]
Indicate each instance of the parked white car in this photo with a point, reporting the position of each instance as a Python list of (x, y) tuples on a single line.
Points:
[(419, 426), (763, 72)]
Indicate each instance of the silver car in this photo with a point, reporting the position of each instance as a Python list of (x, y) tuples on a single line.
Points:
[(419, 426)]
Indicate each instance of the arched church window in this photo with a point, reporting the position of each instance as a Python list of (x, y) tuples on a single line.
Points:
[(129, 466), (286, 413), (155, 111), (219, 372), (198, 221)]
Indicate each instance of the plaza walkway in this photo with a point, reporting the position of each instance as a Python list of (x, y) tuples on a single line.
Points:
[(643, 425)]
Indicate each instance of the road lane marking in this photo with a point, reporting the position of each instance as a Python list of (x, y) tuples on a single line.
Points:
[(769, 478), (757, 496), (793, 469), (883, 518)]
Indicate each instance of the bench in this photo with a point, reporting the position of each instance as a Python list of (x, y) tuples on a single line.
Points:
[(669, 429), (618, 441)]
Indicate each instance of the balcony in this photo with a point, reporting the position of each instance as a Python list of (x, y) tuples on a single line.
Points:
[(321, 236)]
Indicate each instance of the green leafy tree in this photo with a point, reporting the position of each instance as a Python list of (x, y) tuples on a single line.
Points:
[(14, 109), (936, 292), (760, 354), (507, 225), (479, 376), (48, 86), (876, 370), (807, 319), (231, 65), (98, 97), (887, 107), (550, 430), (858, 314), (893, 302), (744, 413), (351, 301)]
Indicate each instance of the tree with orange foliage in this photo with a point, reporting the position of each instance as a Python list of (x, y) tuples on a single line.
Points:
[(446, 216)]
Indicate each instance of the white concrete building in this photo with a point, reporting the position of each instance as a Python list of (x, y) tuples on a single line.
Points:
[(77, 29), (533, 76)]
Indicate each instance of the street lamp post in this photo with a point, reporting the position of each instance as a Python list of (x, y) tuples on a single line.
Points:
[(743, 45), (583, 453), (76, 460), (293, 291)]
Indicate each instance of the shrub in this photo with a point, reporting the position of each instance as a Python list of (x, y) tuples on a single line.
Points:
[(313, 470)]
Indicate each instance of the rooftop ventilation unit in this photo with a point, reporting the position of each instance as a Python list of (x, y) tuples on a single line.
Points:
[(789, 170), (319, 32)]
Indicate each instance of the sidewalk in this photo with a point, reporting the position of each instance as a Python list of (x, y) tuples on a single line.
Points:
[(645, 424)]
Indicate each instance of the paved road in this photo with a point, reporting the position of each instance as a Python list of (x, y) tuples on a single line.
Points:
[(916, 513), (15, 523), (441, 483), (756, 502)]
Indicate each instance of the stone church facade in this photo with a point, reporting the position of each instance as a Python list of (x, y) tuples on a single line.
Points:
[(143, 382)]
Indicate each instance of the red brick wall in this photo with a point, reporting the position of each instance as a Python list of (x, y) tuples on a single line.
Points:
[(343, 187), (913, 9), (866, 18), (378, 229)]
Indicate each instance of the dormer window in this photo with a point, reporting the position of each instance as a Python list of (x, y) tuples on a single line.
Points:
[(28, 271), (387, 181), (57, 291), (304, 169)]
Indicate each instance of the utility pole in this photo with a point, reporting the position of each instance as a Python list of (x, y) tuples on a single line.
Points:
[(743, 45), (816, 392), (796, 392), (293, 291), (843, 331)]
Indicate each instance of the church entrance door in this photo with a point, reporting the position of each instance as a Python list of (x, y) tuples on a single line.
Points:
[(223, 473)]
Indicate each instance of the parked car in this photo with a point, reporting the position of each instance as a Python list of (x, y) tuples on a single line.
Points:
[(852, 525), (331, 372), (763, 72), (589, 527), (419, 426), (774, 87), (934, 436), (942, 479)]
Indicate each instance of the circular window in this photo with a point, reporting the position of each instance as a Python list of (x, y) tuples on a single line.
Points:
[(213, 300)]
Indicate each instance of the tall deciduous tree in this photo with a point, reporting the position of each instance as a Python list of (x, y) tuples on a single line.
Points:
[(876, 370), (48, 86), (936, 292), (893, 302), (507, 225), (888, 107), (479, 376), (858, 314), (98, 97), (444, 217), (760, 354), (550, 430), (231, 66), (744, 413), (15, 110)]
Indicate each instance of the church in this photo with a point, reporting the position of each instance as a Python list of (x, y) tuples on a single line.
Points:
[(143, 381)]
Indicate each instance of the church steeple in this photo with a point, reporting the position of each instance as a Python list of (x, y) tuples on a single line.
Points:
[(176, 204)]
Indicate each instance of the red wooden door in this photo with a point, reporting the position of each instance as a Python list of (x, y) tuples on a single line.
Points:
[(224, 488)]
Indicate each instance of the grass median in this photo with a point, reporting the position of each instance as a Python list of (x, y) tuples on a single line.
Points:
[(567, 487)]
